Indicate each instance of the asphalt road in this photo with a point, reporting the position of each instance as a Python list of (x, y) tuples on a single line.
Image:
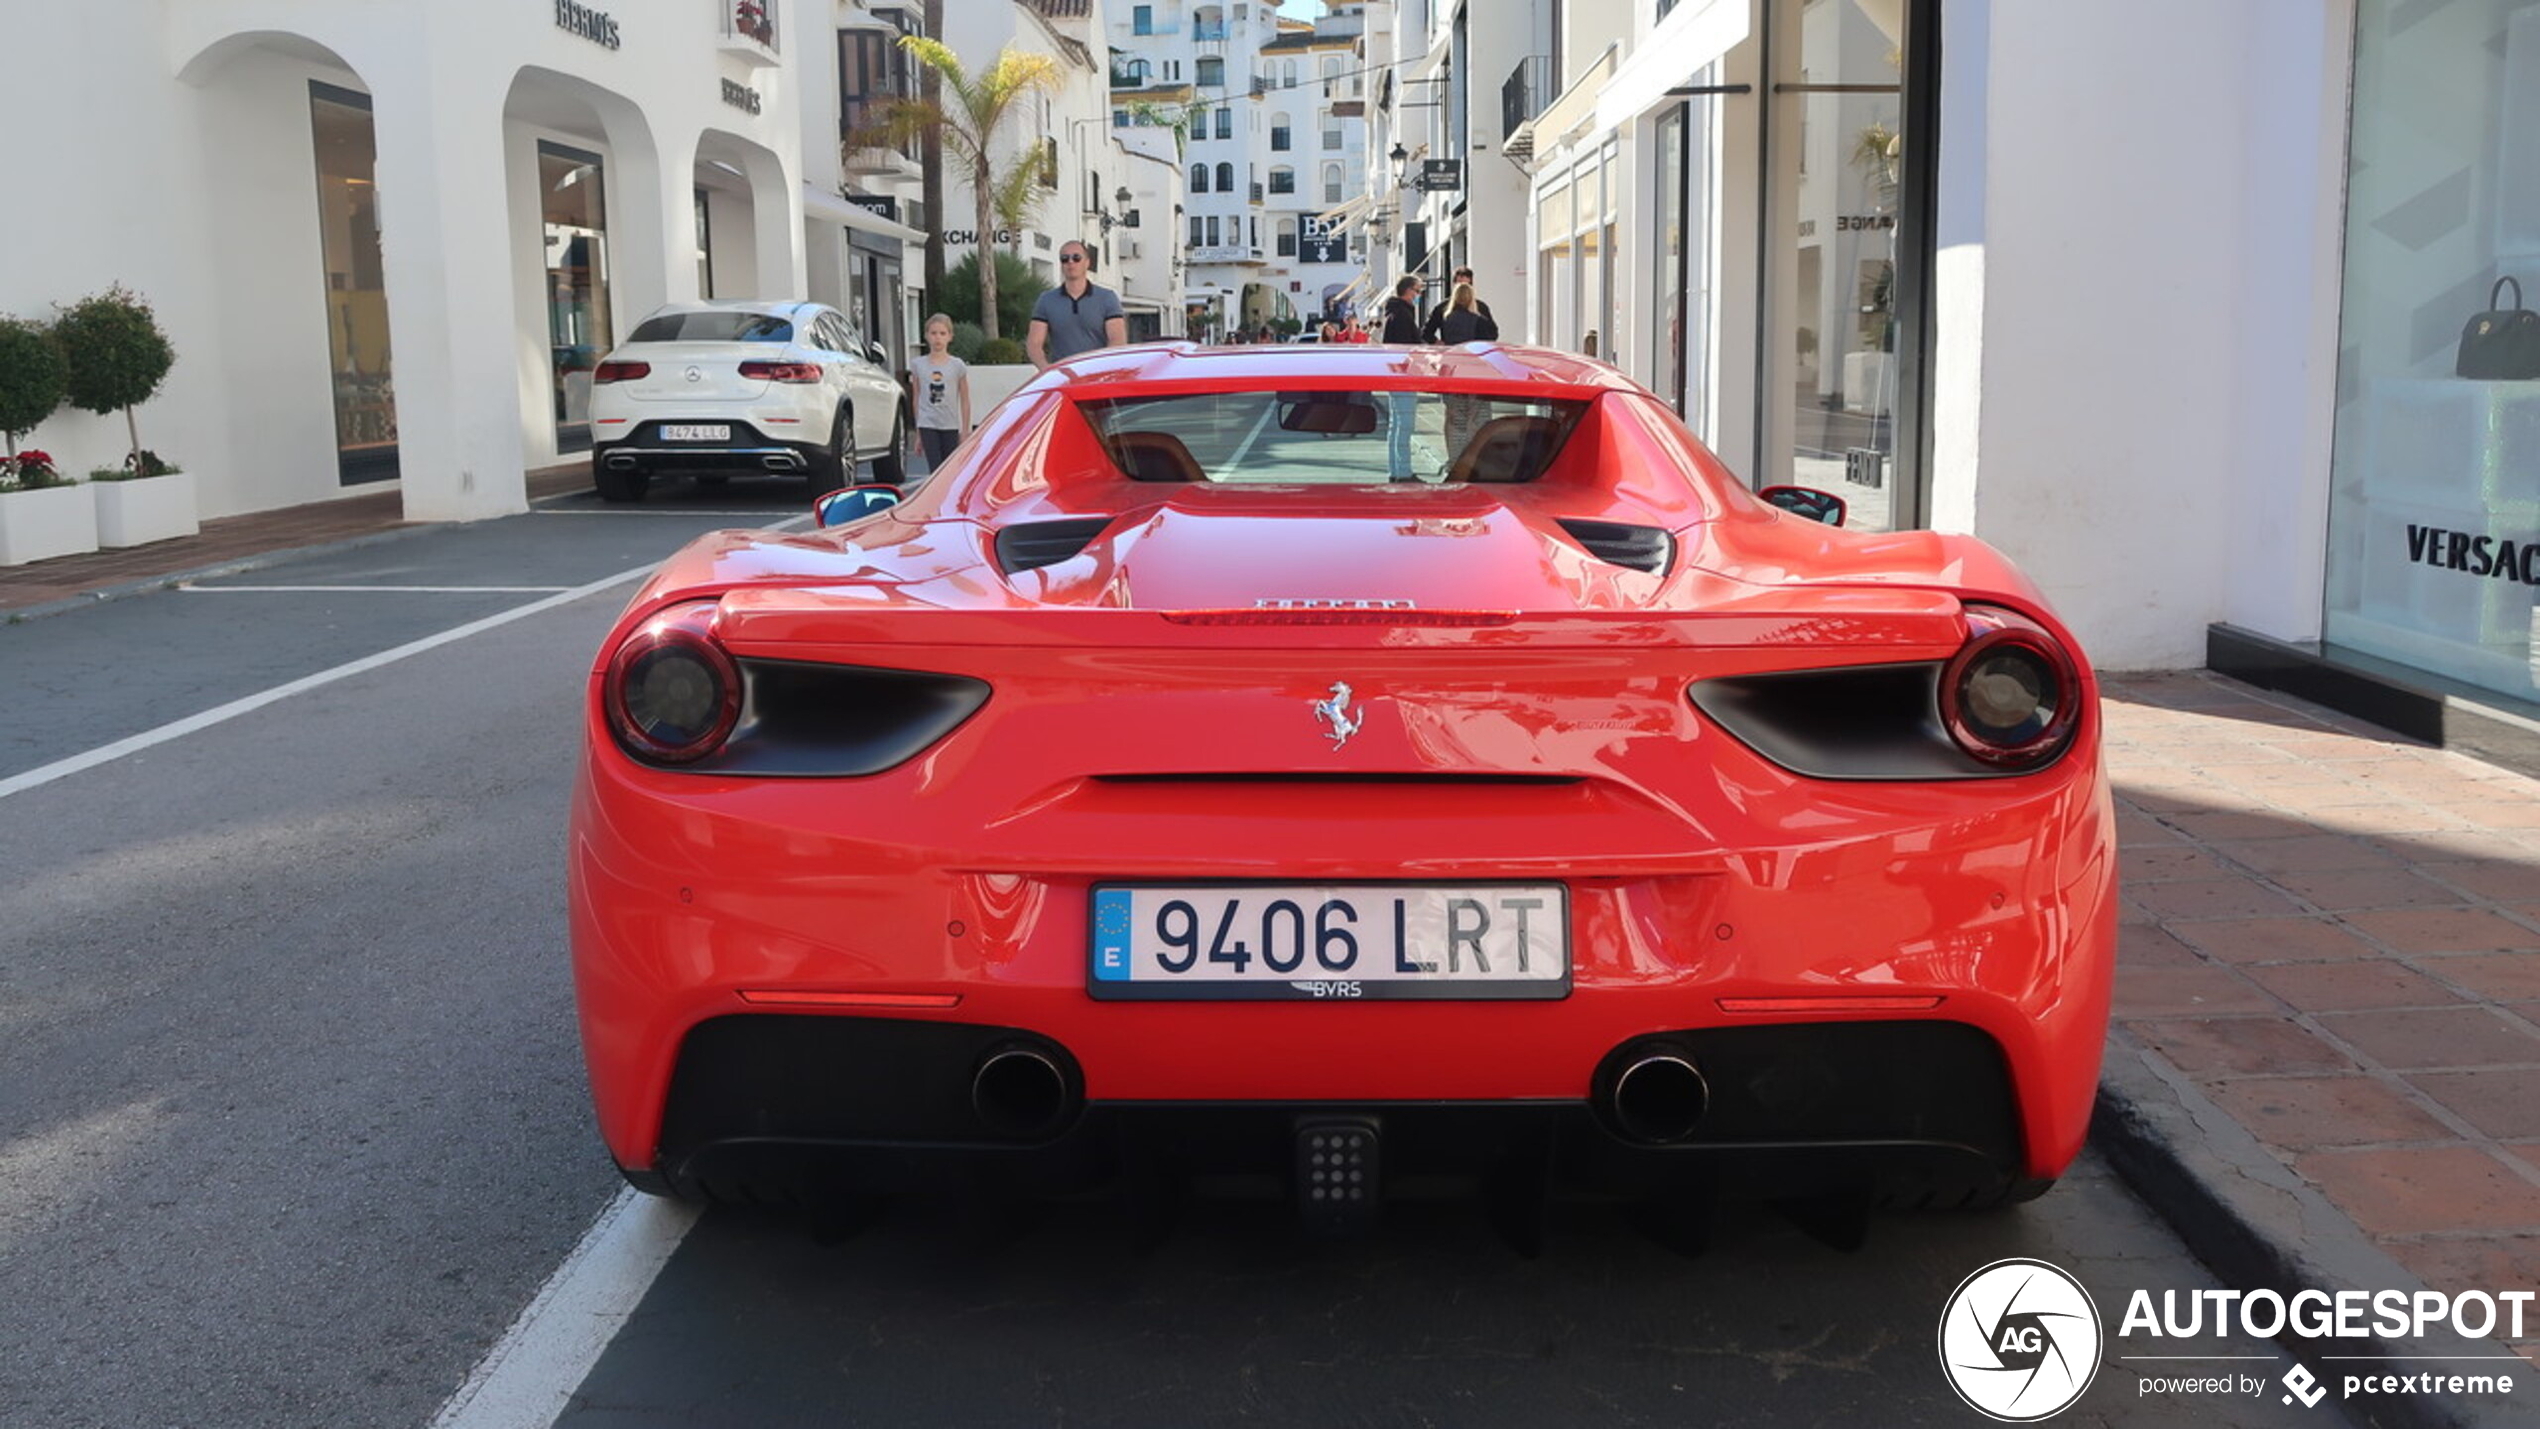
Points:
[(292, 1120)]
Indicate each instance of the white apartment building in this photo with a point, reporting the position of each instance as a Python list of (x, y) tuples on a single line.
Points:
[(1270, 114)]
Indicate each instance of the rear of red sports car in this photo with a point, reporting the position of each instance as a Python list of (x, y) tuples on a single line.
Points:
[(1342, 771)]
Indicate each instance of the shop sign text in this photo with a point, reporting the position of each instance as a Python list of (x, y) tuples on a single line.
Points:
[(740, 96), (2500, 557), (966, 237), (599, 27)]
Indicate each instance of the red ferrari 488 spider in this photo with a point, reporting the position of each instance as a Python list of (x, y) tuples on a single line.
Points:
[(1342, 770)]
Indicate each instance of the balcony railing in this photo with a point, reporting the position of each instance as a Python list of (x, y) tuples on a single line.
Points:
[(1525, 92), (1256, 193), (1226, 253), (749, 30)]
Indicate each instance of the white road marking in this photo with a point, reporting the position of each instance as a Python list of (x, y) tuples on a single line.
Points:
[(44, 774), (393, 589), (530, 1375)]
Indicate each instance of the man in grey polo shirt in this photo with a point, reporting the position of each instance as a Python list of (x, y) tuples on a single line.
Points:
[(1078, 315)]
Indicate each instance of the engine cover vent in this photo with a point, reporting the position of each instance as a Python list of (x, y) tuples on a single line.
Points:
[(1639, 548), (1046, 543)]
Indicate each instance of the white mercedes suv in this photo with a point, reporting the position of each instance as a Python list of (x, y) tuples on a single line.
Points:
[(718, 388)]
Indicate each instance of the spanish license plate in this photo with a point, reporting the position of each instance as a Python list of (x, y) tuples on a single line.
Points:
[(1330, 941), (709, 432)]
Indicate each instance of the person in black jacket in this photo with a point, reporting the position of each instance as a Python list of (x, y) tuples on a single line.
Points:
[(1435, 328), (1402, 311), (1462, 319)]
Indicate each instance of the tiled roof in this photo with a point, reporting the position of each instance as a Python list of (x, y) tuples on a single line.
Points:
[(1064, 9)]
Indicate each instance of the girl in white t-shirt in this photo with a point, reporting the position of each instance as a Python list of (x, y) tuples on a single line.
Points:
[(934, 382)]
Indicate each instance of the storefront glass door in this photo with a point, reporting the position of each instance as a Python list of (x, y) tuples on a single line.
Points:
[(356, 289), (573, 196), (1841, 399)]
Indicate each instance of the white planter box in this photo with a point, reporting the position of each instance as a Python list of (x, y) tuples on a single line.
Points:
[(39, 525), (135, 513)]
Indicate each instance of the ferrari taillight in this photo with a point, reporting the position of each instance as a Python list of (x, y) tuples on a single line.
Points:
[(2011, 695), (672, 692), (782, 371), (620, 372)]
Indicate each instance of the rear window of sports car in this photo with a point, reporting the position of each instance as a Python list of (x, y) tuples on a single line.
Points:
[(1332, 438), (713, 327)]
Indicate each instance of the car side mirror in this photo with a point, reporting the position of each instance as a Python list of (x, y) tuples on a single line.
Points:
[(874, 354), (1806, 501), (852, 504)]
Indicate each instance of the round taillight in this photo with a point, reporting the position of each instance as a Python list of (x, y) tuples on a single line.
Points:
[(2011, 695), (673, 693)]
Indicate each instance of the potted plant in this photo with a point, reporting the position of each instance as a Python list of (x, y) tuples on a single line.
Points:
[(36, 519), (117, 358), (143, 500), (43, 513)]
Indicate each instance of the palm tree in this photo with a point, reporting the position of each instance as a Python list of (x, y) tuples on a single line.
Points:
[(967, 114)]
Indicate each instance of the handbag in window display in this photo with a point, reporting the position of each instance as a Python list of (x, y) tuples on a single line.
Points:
[(2501, 344)]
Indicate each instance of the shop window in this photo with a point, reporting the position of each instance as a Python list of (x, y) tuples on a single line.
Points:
[(1841, 358), (2434, 511), (358, 350), (571, 186)]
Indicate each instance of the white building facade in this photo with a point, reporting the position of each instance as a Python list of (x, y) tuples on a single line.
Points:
[(388, 241), (1270, 118), (2195, 362)]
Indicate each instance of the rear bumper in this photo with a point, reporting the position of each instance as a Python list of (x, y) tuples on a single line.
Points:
[(773, 1107), (771, 458)]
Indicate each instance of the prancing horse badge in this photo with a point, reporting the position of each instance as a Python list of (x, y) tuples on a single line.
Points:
[(1334, 715)]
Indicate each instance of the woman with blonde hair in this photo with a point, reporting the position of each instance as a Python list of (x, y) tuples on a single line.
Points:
[(1465, 321)]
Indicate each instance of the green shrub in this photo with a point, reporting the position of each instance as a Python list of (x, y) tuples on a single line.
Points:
[(117, 354), (966, 338), (32, 377), (1002, 352), (1018, 288)]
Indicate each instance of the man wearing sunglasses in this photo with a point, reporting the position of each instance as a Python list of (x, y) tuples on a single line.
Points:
[(1079, 315)]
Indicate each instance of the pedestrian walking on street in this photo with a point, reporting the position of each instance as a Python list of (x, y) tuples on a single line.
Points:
[(1402, 311), (1462, 318), (1079, 315), (1434, 329), (939, 384)]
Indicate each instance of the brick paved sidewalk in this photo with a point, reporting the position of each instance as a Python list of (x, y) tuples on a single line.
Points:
[(2335, 933)]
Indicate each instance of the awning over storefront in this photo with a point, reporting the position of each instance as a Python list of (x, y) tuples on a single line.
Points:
[(1695, 34), (1341, 217), (821, 204)]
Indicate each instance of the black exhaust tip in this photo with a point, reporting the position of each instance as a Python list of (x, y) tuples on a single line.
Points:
[(1022, 1091), (1655, 1094)]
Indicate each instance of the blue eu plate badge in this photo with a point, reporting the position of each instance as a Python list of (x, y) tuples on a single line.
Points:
[(1111, 934)]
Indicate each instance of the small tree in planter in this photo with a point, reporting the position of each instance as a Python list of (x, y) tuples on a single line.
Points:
[(32, 379), (117, 356)]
